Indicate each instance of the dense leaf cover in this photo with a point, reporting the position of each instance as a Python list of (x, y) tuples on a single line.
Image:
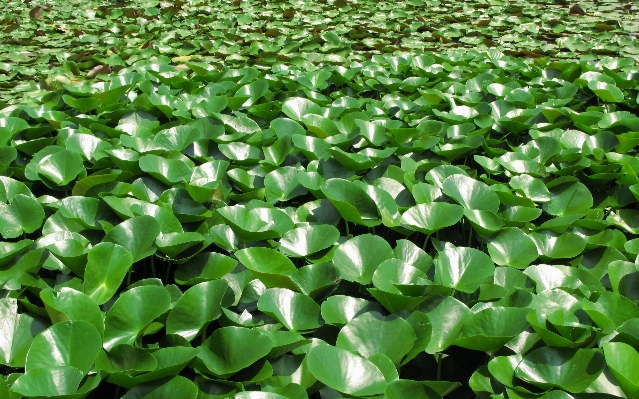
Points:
[(292, 200)]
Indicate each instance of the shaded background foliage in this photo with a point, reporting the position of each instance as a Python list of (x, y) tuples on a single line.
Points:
[(286, 199)]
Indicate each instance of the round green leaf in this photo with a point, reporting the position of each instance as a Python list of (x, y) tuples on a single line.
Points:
[(463, 269), (134, 310), (296, 107), (106, 267), (606, 91), (433, 216), (345, 371), (204, 267), (24, 214), (569, 199), (168, 171), (490, 329), (190, 313), (9, 127), (512, 247), (231, 349), (401, 389), (307, 240), (484, 222), (272, 267), (286, 127), (371, 333), (59, 346), (572, 370), (73, 305), (61, 167), (48, 381), (282, 185), (552, 245), (352, 202), (470, 193), (87, 211), (175, 244), (177, 387), (623, 361), (137, 235), (297, 312), (338, 310), (447, 316), (358, 258)]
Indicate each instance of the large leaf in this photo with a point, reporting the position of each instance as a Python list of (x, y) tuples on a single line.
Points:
[(9, 127), (345, 371), (137, 235), (190, 314), (296, 107), (133, 311), (623, 361), (371, 333), (512, 247), (106, 268), (358, 258), (230, 349), (296, 311), (24, 214), (69, 304), (463, 269), (59, 346), (490, 329), (61, 167), (272, 268), (470, 193), (307, 240), (48, 381), (433, 216), (572, 370)]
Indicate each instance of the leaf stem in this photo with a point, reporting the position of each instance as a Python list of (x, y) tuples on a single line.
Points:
[(348, 234), (439, 367), (167, 275), (426, 241), (153, 266), (117, 392), (128, 276)]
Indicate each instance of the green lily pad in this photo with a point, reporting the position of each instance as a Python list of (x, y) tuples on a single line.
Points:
[(431, 217), (73, 305), (358, 258), (296, 107), (490, 329), (103, 278), (572, 370), (137, 235), (345, 371), (463, 269), (470, 193), (189, 315), (623, 361), (512, 247), (371, 333), (231, 349), (296, 311), (61, 167), (132, 312), (58, 346), (272, 267), (307, 240)]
